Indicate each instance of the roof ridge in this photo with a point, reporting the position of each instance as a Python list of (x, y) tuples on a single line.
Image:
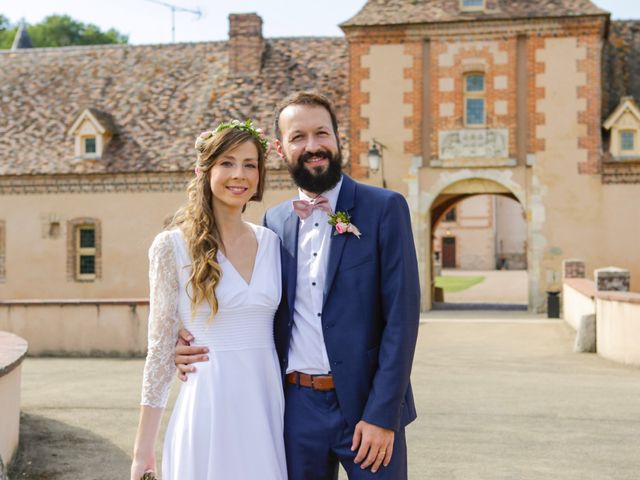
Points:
[(72, 48)]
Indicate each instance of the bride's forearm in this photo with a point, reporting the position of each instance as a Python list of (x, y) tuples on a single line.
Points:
[(148, 428)]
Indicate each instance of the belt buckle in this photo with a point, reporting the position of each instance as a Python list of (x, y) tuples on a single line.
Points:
[(319, 386)]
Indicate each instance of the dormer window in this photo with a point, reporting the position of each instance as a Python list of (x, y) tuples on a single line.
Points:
[(624, 124), (472, 5), (627, 140), (92, 131)]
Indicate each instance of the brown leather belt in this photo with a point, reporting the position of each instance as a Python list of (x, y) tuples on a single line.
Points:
[(317, 382)]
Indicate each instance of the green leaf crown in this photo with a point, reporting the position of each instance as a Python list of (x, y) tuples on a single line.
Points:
[(246, 126)]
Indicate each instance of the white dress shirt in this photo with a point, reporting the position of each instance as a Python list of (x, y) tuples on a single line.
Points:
[(307, 351)]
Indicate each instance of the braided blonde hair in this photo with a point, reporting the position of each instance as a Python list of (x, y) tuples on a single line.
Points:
[(197, 219)]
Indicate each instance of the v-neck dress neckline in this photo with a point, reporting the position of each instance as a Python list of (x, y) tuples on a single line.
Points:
[(222, 258)]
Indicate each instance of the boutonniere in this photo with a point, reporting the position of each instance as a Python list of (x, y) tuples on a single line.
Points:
[(342, 223)]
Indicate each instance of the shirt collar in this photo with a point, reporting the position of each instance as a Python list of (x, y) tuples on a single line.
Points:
[(331, 195)]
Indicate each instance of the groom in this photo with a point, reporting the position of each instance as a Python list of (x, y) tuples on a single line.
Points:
[(347, 325)]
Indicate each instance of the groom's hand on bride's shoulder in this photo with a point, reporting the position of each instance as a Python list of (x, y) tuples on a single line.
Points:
[(186, 354)]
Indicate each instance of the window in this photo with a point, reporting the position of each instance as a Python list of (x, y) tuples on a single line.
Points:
[(86, 251), (450, 216), (627, 140), (472, 5), (83, 249), (474, 99), (90, 145)]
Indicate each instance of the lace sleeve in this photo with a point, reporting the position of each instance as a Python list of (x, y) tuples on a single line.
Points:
[(159, 368)]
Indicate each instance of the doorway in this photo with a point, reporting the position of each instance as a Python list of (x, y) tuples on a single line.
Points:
[(449, 252)]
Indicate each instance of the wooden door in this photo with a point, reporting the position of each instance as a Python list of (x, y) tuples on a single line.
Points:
[(449, 252)]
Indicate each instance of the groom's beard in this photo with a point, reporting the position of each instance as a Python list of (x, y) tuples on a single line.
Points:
[(318, 181)]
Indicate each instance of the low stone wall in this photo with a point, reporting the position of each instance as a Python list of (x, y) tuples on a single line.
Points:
[(12, 351), (617, 318), (79, 327), (578, 299), (618, 326)]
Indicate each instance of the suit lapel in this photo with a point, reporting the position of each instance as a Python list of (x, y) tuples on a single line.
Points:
[(290, 244), (344, 204)]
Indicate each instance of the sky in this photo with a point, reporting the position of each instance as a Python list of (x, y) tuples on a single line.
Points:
[(146, 22)]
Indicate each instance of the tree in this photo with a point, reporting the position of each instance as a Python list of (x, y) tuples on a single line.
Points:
[(7, 32), (61, 31)]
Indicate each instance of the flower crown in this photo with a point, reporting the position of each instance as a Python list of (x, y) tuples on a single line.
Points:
[(247, 126)]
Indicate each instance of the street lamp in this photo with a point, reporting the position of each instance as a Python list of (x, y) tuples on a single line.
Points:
[(374, 158)]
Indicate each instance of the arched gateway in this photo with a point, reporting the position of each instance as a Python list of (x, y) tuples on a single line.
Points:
[(451, 188)]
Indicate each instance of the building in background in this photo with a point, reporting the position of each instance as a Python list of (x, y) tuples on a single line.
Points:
[(483, 232), (534, 101)]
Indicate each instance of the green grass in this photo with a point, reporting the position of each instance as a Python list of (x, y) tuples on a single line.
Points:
[(457, 284)]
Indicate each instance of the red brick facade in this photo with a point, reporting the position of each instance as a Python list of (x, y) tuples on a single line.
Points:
[(414, 98), (357, 99), (465, 60), (492, 50)]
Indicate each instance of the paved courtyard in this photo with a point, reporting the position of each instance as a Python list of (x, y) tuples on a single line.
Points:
[(500, 396)]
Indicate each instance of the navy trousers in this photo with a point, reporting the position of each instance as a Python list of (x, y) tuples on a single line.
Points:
[(317, 438)]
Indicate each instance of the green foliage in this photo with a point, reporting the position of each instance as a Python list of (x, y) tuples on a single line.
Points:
[(456, 283), (339, 217), (60, 31), (7, 32)]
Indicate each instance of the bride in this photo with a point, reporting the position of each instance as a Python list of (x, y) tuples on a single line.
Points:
[(220, 277)]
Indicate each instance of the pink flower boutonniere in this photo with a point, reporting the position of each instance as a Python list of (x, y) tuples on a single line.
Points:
[(342, 223)]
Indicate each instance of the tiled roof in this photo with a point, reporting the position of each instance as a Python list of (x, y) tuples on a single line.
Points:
[(397, 12), (157, 98), (621, 66)]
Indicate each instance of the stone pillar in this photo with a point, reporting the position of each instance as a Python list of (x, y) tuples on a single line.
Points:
[(612, 279), (245, 44), (573, 268)]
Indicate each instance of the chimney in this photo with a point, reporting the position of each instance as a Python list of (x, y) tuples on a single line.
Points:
[(245, 44)]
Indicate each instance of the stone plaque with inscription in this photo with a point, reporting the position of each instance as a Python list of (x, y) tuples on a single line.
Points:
[(474, 143)]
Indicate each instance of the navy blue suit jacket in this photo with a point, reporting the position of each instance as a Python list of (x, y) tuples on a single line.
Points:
[(371, 304)]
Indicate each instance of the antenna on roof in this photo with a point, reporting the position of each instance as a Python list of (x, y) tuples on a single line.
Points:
[(174, 9)]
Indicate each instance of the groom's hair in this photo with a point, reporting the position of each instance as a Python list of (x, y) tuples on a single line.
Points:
[(305, 98)]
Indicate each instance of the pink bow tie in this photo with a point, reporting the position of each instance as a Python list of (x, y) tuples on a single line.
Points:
[(304, 208)]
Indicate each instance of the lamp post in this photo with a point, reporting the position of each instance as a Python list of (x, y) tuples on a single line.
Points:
[(375, 160)]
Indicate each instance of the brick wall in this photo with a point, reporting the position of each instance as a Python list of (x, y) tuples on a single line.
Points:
[(358, 98), (414, 98), (451, 59), (245, 44)]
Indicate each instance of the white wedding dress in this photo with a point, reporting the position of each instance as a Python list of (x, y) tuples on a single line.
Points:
[(227, 422)]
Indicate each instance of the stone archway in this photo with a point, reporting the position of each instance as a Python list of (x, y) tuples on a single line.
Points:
[(450, 188)]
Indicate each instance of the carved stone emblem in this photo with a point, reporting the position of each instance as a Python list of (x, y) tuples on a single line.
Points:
[(473, 143)]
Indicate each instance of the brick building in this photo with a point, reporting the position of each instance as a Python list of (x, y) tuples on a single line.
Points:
[(536, 101)]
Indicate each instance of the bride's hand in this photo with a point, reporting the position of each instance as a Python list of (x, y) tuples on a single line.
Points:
[(139, 467)]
